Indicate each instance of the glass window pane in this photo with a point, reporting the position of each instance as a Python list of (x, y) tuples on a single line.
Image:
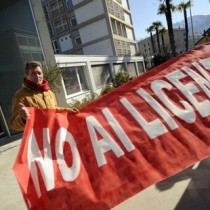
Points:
[(119, 67), (75, 80), (71, 81), (131, 69), (82, 78), (101, 75), (140, 67), (32, 42), (18, 41), (22, 40)]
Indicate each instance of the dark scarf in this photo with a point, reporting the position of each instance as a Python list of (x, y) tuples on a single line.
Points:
[(42, 87)]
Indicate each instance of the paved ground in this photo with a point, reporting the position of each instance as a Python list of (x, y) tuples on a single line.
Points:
[(188, 190)]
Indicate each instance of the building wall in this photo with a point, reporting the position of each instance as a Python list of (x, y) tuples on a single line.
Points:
[(89, 11), (89, 33), (179, 37), (129, 32), (103, 47), (65, 43), (95, 21), (87, 75), (204, 38), (75, 2), (122, 28), (145, 45), (125, 4), (20, 41)]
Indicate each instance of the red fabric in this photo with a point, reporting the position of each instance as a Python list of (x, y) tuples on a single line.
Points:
[(43, 87), (122, 175)]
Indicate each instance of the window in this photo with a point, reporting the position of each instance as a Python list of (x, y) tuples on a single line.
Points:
[(131, 69), (140, 67), (114, 29), (118, 28), (22, 40), (46, 12), (78, 40), (69, 3), (101, 75), (115, 9), (73, 21), (75, 80), (119, 67), (56, 7), (33, 42), (50, 29), (119, 1), (60, 24), (55, 47), (37, 56), (122, 48)]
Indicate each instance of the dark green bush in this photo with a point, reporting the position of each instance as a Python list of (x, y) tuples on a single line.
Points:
[(106, 89), (120, 78), (53, 75)]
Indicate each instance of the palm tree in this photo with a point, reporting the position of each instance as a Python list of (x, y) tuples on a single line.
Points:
[(156, 26), (192, 23), (183, 7), (165, 8), (162, 32), (150, 30)]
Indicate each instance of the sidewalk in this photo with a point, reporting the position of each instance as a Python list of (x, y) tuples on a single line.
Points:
[(10, 194), (188, 190)]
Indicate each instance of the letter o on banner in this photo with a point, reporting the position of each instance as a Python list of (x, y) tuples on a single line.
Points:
[(68, 173)]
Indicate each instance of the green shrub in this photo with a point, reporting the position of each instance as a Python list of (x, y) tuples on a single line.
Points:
[(81, 103), (53, 75), (158, 59), (121, 78), (106, 89)]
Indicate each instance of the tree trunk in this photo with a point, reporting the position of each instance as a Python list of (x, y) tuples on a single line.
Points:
[(152, 41), (158, 40), (186, 29), (170, 28)]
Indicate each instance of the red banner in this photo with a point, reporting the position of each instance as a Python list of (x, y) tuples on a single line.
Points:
[(142, 132)]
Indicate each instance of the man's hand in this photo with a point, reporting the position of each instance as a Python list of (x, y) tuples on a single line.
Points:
[(73, 110), (23, 112)]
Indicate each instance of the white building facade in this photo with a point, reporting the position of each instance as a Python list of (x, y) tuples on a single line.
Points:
[(90, 27), (87, 75), (145, 45)]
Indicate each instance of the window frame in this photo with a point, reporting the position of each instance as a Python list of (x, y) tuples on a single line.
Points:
[(79, 81)]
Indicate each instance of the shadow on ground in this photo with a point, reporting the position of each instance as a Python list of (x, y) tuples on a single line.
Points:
[(197, 194), (7, 140)]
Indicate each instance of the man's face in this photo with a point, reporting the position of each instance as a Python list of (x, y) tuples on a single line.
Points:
[(35, 75)]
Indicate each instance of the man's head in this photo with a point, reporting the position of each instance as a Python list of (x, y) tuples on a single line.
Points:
[(33, 72)]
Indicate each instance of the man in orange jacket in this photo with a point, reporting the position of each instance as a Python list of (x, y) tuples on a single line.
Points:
[(35, 92)]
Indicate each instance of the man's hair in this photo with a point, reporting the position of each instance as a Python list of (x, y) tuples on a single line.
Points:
[(31, 65)]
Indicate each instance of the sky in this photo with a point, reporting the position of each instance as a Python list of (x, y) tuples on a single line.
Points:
[(144, 13)]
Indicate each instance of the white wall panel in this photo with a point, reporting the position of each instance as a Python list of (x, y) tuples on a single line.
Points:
[(127, 18), (89, 11), (133, 49), (129, 33), (99, 48), (93, 31), (76, 1), (125, 4), (65, 43)]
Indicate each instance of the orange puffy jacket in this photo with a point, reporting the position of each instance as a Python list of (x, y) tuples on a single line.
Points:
[(30, 98)]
